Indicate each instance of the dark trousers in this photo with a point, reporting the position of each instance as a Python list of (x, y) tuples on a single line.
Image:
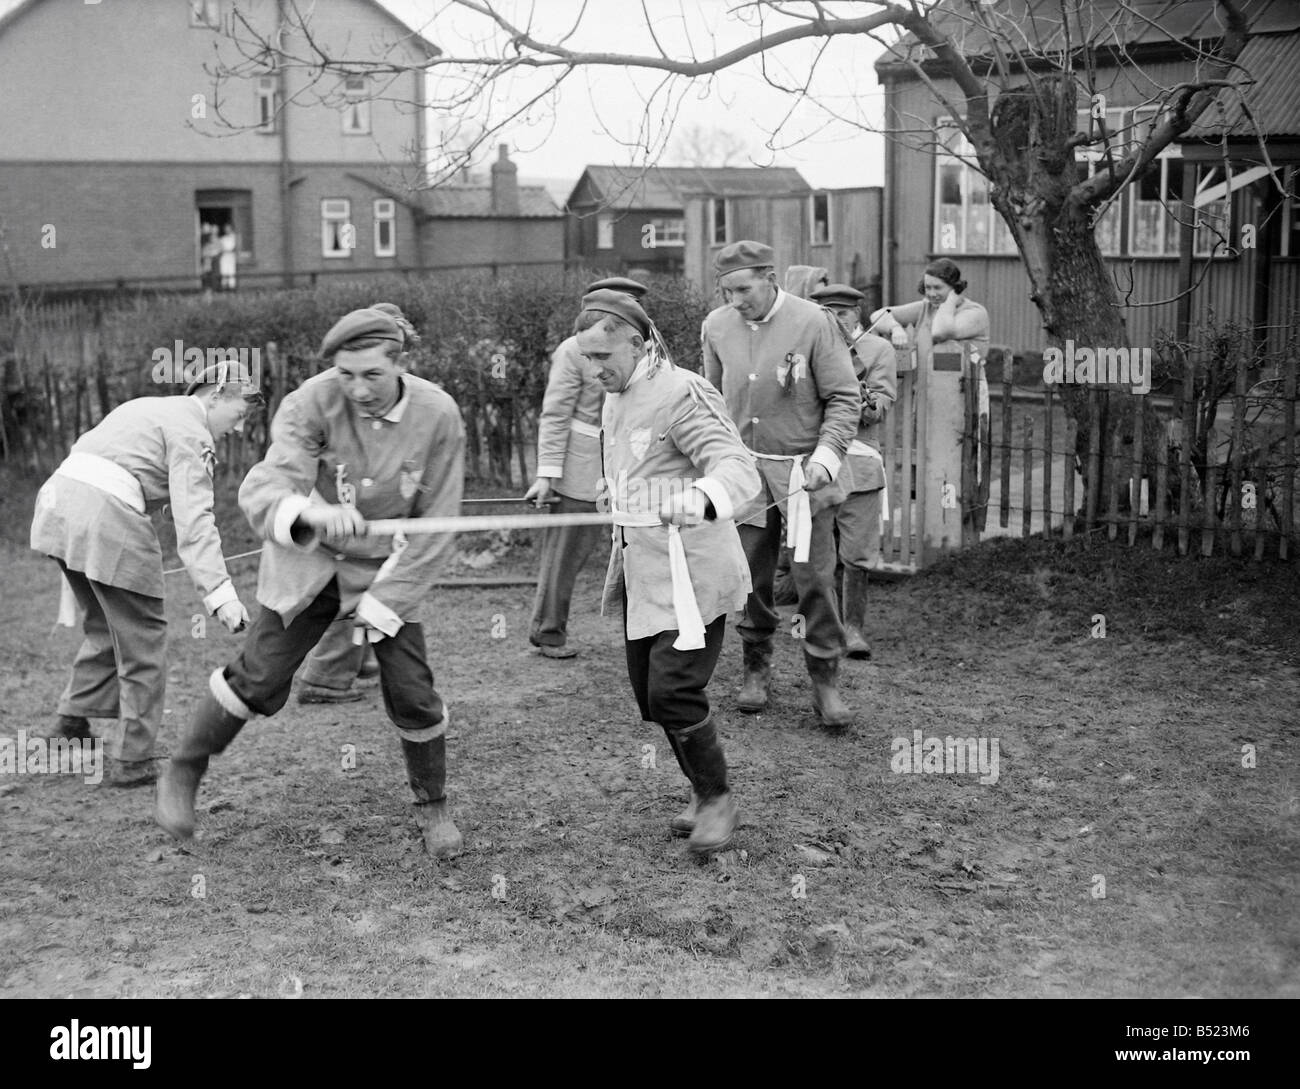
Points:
[(121, 667), (564, 551), (670, 684), (818, 605), (262, 675)]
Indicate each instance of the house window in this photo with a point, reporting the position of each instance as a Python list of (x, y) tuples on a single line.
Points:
[(356, 110), (1091, 158), (205, 13), (604, 231), (820, 218), (1291, 214), (1212, 209), (965, 220), (718, 226), (268, 102), (1155, 205), (338, 236), (385, 228), (669, 231)]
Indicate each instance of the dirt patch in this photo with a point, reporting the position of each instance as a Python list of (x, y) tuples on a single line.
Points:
[(1124, 849)]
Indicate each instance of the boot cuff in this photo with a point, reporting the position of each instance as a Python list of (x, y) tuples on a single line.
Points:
[(225, 695)]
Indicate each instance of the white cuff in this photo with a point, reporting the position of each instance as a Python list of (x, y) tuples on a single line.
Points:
[(716, 492), (374, 613), (285, 515), (222, 595), (827, 459), (552, 471), (225, 695)]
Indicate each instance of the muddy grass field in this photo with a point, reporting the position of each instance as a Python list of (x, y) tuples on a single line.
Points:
[(1142, 837)]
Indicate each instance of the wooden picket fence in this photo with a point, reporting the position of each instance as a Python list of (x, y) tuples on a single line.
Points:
[(1244, 500)]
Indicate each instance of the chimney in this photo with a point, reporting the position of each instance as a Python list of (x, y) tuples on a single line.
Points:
[(505, 184)]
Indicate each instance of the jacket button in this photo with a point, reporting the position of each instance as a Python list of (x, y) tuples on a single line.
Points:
[(753, 377), (339, 556), (375, 425), (754, 420)]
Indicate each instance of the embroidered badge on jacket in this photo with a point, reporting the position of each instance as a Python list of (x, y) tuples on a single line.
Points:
[(407, 482), (791, 369), (638, 440), (209, 457), (347, 493)]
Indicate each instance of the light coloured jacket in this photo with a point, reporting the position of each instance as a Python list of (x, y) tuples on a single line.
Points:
[(569, 455), (669, 429), (789, 386), (409, 464), (165, 445)]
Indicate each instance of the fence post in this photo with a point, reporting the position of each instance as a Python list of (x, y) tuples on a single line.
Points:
[(1048, 409), (1004, 503), (1162, 483), (1094, 464), (1185, 459), (1071, 443), (1289, 465), (1028, 513), (1234, 470), (1137, 478), (1112, 488), (1209, 515)]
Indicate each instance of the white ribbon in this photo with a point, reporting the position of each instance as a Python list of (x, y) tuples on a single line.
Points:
[(686, 610), (592, 431), (798, 517)]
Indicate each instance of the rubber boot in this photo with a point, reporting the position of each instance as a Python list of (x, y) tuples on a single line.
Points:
[(716, 816), (826, 694), (209, 730), (757, 687), (426, 771), (855, 612), (684, 823), (131, 773)]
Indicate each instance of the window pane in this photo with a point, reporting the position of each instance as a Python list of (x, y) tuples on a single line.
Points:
[(605, 232)]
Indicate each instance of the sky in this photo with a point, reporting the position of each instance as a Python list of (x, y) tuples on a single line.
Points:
[(598, 112)]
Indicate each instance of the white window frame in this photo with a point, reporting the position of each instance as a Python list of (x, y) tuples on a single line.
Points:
[(335, 210), (604, 231), (813, 240), (669, 230), (385, 211), (1109, 231), (1206, 242), (1291, 212), (957, 150), (714, 204), (205, 14), (1167, 221), (267, 98), (356, 92)]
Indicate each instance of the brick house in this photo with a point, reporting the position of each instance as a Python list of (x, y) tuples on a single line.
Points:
[(113, 167)]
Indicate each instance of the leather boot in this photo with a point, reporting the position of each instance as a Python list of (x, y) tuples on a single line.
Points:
[(855, 612), (757, 687), (209, 730), (716, 816), (426, 771), (72, 727), (826, 695)]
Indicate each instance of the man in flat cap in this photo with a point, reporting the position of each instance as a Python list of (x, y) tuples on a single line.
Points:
[(568, 467), (860, 518), (339, 670), (92, 518), (677, 472), (787, 378), (373, 442)]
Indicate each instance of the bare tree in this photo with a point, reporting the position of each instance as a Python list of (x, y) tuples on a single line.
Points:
[(701, 145), (1013, 94)]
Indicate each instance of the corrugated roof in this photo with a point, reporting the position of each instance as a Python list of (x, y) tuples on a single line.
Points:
[(666, 186), (475, 202), (1105, 22), (1273, 99)]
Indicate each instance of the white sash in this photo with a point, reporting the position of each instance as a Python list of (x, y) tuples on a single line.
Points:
[(860, 448), (798, 519), (584, 428), (686, 610)]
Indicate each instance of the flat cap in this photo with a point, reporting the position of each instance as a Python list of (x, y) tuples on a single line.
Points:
[(837, 295), (361, 323), (619, 283), (744, 254), (621, 305)]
